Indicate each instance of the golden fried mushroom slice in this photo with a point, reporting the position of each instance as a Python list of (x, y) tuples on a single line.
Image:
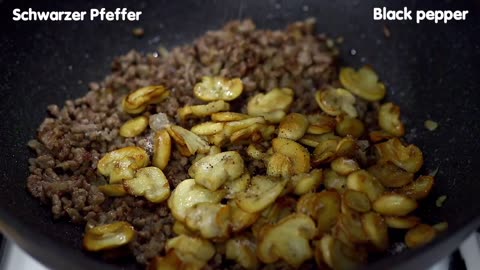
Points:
[(313, 140), (271, 105), (407, 222), (419, 188), (392, 204), (187, 194), (138, 100), (240, 219), (188, 142), (180, 228), (261, 193), (162, 149), (210, 219), (108, 236), (113, 190), (323, 249), (213, 171), (336, 102), (390, 175), (149, 182), (344, 166), (256, 151), (279, 165), (192, 251), (363, 83), (379, 136), (320, 124), (298, 155), (389, 119), (228, 116), (218, 88), (306, 182), (198, 111), (350, 225), (283, 206), (122, 163), (207, 128), (364, 182), (293, 126), (420, 235), (170, 261), (345, 257), (287, 240), (329, 149), (332, 180), (252, 134), (409, 158), (356, 200), (237, 185), (350, 126), (323, 207), (243, 251), (134, 127), (376, 229)]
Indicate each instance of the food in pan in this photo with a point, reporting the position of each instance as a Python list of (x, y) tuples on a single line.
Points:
[(245, 149)]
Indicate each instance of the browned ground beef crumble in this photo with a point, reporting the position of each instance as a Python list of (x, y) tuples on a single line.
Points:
[(73, 138)]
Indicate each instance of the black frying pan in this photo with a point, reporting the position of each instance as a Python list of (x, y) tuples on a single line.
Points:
[(431, 71)]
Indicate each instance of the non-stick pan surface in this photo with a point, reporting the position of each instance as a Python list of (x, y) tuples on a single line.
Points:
[(431, 70)]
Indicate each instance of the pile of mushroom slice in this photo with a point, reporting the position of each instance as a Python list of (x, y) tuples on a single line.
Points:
[(321, 195)]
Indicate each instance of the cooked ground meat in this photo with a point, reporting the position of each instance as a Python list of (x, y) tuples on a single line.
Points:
[(73, 138)]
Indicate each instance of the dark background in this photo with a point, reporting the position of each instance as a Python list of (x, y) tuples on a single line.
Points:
[(431, 70)]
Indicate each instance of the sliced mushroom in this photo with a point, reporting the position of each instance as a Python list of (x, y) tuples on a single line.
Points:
[(418, 189), (188, 142), (113, 190), (213, 171), (323, 207), (193, 252), (187, 194), (134, 127), (122, 163), (344, 166), (320, 124), (228, 116), (409, 158), (394, 205), (363, 83), (137, 101), (108, 236), (162, 149), (420, 235), (271, 105), (149, 182), (218, 88), (376, 229), (389, 119), (242, 250), (287, 240), (207, 128), (198, 111), (364, 182), (336, 102), (350, 126), (390, 175), (306, 182), (210, 219), (261, 193), (298, 155), (240, 219), (293, 126), (406, 222)]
